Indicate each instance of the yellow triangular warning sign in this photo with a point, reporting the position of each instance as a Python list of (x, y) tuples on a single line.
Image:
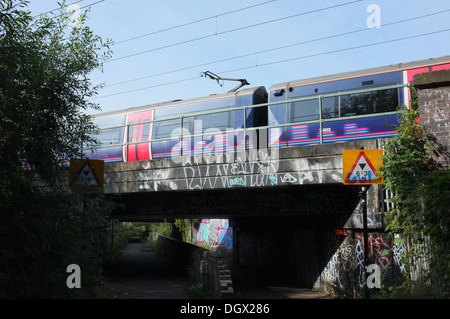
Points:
[(86, 177), (84, 172), (362, 170)]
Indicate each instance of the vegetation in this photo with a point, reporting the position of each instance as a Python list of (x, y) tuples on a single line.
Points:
[(184, 226), (421, 196), (44, 85)]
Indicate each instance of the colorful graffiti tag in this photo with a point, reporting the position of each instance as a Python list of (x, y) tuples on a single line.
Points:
[(215, 233)]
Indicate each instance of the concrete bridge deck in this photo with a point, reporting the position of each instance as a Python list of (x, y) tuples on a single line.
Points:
[(305, 165)]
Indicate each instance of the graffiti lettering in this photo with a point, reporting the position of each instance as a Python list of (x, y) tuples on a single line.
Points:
[(215, 233), (348, 265), (237, 181)]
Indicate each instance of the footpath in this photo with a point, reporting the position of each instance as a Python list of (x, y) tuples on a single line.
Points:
[(138, 274)]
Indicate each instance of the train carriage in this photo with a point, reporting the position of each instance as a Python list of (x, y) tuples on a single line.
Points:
[(184, 127), (337, 108), (343, 107)]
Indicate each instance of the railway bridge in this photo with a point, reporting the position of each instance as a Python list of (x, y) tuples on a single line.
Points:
[(288, 207), (290, 213), (270, 182)]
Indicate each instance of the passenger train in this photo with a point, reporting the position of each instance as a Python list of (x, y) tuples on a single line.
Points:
[(342, 107)]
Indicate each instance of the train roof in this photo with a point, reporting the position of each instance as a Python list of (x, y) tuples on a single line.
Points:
[(376, 70), (174, 103)]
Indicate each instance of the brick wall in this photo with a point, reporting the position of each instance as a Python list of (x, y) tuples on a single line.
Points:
[(433, 92)]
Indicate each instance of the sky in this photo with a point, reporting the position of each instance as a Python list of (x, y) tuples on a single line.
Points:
[(162, 48)]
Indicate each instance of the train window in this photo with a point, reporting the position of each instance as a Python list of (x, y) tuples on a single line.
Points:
[(330, 107), (369, 102), (132, 132), (164, 129), (145, 132), (220, 121), (110, 136), (305, 111)]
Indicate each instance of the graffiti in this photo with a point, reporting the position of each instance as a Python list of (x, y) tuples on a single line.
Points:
[(398, 253), (342, 260), (154, 179), (218, 176), (360, 263), (253, 171), (288, 178), (239, 181), (273, 179), (376, 249), (215, 233), (348, 264)]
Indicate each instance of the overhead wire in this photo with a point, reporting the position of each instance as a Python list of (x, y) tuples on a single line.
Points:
[(83, 7), (56, 8), (341, 50), (276, 48), (192, 22), (232, 30), (284, 61)]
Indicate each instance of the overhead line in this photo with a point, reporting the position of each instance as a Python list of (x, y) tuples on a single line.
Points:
[(88, 5), (232, 30), (145, 88), (192, 22), (277, 48), (57, 8), (340, 50), (283, 61)]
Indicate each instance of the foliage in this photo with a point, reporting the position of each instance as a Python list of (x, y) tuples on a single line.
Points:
[(195, 288), (421, 193), (44, 86), (163, 228), (116, 240), (184, 226)]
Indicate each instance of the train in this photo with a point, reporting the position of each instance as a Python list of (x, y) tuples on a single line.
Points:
[(349, 106)]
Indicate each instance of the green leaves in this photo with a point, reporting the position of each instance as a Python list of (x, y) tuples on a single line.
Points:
[(44, 86), (422, 190)]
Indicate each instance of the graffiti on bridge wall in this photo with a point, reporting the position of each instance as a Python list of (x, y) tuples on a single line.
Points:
[(347, 266), (215, 233)]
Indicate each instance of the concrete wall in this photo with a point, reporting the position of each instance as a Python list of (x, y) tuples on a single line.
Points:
[(208, 267), (322, 248), (306, 165)]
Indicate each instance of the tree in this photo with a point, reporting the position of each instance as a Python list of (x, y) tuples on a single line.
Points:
[(421, 190), (44, 91)]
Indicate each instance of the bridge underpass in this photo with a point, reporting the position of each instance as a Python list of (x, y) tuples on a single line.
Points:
[(288, 231), (284, 211)]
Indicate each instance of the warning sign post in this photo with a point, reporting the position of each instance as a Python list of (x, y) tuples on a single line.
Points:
[(360, 167), (86, 172)]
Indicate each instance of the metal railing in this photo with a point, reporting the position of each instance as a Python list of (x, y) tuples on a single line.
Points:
[(245, 129)]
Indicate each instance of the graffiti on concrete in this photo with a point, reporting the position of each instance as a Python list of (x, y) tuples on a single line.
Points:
[(215, 233), (347, 265)]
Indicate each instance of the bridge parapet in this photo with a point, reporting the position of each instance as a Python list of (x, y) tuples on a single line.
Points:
[(315, 164)]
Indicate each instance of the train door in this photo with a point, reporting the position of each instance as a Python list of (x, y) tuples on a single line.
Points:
[(143, 149), (135, 133)]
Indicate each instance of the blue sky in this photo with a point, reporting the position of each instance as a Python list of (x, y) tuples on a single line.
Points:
[(162, 47)]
